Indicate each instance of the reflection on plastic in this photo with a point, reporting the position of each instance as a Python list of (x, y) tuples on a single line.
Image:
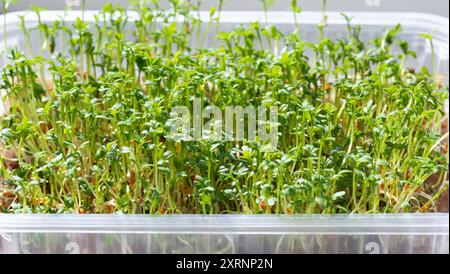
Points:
[(5, 236), (166, 243)]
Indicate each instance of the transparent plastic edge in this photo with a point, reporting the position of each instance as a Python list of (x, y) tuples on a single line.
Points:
[(382, 224), (368, 18), (424, 21)]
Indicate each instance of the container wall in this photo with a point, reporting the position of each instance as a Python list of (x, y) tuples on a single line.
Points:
[(225, 234), (61, 243)]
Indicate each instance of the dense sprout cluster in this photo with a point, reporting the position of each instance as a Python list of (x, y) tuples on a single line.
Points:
[(85, 130)]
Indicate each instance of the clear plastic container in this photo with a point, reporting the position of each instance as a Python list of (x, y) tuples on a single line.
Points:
[(392, 233)]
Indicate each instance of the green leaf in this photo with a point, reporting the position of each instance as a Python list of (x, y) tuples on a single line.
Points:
[(321, 201), (126, 150), (338, 195), (271, 201)]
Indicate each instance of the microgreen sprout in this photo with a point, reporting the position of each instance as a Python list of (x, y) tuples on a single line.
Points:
[(5, 5), (295, 10), (266, 5)]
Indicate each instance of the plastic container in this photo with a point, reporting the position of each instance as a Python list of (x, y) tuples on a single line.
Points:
[(395, 233)]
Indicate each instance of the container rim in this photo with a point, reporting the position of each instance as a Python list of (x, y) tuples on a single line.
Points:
[(306, 17), (437, 24), (415, 23), (354, 224)]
